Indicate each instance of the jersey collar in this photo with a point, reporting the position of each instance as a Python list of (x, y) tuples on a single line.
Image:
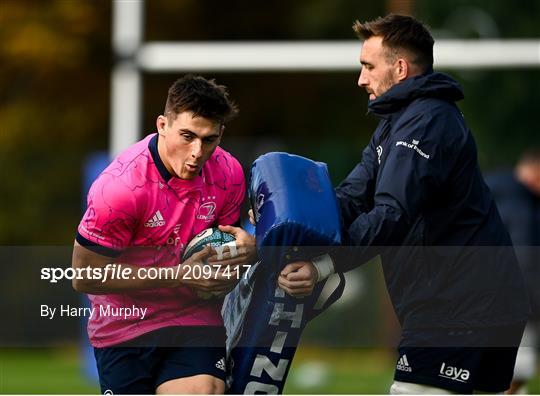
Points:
[(162, 169)]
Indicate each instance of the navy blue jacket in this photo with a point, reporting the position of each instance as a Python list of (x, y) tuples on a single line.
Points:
[(418, 199)]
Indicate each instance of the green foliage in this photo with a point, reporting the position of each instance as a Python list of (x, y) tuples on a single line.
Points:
[(480, 18), (499, 105), (268, 20), (53, 110), (55, 70)]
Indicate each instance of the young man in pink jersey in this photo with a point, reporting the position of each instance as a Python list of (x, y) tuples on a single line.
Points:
[(154, 334)]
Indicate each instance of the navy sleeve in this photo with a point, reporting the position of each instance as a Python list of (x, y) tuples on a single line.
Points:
[(355, 193), (416, 163)]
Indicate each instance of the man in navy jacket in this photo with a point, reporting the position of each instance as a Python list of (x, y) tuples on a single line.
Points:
[(418, 199)]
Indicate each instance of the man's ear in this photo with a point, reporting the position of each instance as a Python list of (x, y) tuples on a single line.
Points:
[(402, 69), (161, 121)]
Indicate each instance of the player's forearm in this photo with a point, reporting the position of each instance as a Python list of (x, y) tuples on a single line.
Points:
[(98, 274), (118, 278)]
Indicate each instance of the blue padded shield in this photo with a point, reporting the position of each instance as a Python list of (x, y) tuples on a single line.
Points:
[(295, 207), (297, 219)]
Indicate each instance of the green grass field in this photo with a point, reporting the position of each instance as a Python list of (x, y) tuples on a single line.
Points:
[(314, 371), (341, 371), (44, 371)]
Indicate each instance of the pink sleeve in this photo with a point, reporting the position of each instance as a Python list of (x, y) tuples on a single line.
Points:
[(230, 213), (110, 219)]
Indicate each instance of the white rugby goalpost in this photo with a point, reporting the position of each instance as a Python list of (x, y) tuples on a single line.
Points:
[(137, 56)]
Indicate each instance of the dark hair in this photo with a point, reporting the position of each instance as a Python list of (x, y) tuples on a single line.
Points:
[(401, 32), (203, 97)]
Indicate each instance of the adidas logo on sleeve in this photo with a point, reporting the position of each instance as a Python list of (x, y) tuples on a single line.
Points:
[(156, 221), (220, 364), (403, 364)]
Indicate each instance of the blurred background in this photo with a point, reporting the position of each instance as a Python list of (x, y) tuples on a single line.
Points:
[(56, 65)]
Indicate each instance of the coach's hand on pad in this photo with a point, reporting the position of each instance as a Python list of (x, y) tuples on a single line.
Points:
[(246, 251), (298, 279)]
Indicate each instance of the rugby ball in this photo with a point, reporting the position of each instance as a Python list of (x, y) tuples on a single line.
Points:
[(213, 237)]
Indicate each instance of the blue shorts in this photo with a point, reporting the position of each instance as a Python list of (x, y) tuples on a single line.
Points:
[(460, 360), (140, 365)]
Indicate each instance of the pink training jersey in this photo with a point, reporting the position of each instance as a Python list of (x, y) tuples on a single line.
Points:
[(140, 214)]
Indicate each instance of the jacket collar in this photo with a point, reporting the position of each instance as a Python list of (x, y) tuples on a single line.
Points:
[(430, 84)]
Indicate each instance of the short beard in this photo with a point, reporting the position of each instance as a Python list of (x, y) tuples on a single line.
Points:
[(388, 82)]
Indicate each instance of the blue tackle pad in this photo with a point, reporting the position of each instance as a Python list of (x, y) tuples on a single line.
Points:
[(295, 208), (297, 219)]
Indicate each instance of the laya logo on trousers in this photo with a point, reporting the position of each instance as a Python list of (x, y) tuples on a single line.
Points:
[(413, 146), (454, 373)]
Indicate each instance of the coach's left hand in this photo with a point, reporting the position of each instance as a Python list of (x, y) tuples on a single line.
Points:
[(298, 279), (246, 251)]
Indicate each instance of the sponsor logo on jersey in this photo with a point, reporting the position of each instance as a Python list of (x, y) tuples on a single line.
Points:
[(174, 238), (156, 221), (92, 234), (206, 211), (454, 373), (258, 204), (413, 146), (403, 364), (379, 153)]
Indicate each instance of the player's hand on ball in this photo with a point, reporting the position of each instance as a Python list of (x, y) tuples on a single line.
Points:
[(246, 251), (298, 279), (205, 279)]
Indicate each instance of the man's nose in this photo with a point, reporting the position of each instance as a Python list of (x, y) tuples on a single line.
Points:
[(362, 79), (196, 149)]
